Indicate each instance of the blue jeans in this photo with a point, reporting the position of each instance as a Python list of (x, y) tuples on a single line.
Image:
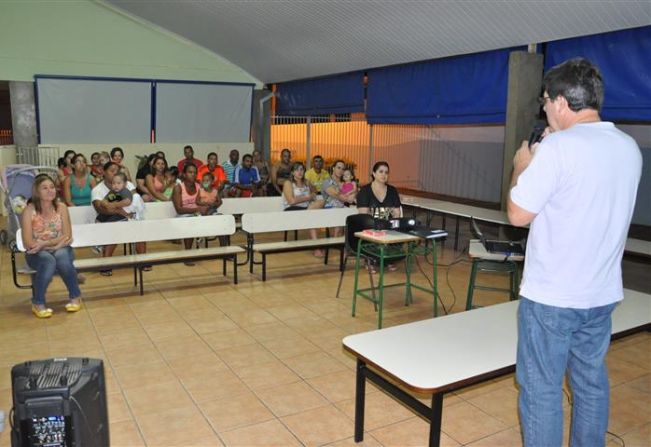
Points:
[(552, 340), (46, 264)]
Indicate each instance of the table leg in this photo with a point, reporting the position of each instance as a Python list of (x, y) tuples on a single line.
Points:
[(360, 396), (381, 287), (408, 264), (435, 279), (435, 420), (456, 235), (359, 249)]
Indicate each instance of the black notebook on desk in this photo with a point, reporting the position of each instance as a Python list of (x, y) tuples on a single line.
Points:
[(505, 248)]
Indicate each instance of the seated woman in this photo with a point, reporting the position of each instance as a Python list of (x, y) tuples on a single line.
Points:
[(117, 157), (141, 177), (47, 235), (299, 194), (280, 173), (380, 199), (331, 190), (155, 180), (184, 198), (78, 186)]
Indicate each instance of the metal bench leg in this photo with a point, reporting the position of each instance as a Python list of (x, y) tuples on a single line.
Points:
[(325, 259), (234, 269), (224, 266), (135, 276), (142, 287), (264, 266), (471, 284)]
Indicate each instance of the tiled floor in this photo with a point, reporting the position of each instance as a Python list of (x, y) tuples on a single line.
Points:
[(198, 361)]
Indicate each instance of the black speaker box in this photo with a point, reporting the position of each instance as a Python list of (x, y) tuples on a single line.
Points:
[(59, 402)]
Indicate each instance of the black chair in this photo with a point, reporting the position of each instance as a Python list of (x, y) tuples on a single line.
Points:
[(354, 224)]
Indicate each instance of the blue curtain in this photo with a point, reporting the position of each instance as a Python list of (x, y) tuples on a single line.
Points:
[(468, 89), (624, 58), (342, 93)]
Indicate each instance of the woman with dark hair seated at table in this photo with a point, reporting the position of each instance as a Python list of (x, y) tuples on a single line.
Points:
[(380, 199)]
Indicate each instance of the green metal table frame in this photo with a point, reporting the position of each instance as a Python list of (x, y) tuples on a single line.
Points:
[(387, 252)]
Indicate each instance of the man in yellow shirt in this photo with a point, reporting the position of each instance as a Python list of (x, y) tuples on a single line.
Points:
[(316, 175)]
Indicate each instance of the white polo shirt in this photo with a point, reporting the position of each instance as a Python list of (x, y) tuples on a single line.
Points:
[(581, 183)]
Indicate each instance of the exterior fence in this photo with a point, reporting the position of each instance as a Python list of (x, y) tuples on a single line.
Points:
[(38, 156), (6, 137), (459, 161)]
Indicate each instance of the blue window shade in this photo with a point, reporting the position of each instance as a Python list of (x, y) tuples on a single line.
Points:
[(624, 58), (468, 89), (332, 94)]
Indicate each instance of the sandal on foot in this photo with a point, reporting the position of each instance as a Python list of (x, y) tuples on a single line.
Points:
[(108, 272), (42, 313), (72, 307), (392, 267)]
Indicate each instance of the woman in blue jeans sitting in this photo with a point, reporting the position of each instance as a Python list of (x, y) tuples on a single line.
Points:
[(47, 236)]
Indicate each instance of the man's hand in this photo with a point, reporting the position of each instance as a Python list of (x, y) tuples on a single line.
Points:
[(523, 156)]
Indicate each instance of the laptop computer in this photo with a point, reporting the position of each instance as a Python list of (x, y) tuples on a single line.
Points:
[(505, 248)]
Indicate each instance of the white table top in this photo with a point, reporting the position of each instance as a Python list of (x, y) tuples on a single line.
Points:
[(477, 250), (437, 354), (457, 209)]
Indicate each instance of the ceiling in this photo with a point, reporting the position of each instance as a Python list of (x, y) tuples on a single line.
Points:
[(284, 40)]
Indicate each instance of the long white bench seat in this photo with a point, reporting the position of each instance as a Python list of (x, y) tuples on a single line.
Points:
[(254, 223), (131, 232)]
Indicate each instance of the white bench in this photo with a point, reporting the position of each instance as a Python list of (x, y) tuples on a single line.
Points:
[(448, 353), (165, 210), (254, 223), (130, 232)]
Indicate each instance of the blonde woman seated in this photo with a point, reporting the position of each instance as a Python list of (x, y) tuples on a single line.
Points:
[(47, 235), (299, 194)]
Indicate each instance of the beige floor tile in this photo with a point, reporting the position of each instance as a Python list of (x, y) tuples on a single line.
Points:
[(508, 438), (217, 385), (455, 423), (251, 317), (200, 367), (231, 338), (174, 427), (270, 433), (245, 356), (338, 386), (133, 337), (143, 374), (182, 347), (642, 384), (125, 434), (157, 398), (287, 312), (177, 328), (290, 399), (314, 364), (628, 408), (271, 331), (118, 410), (412, 432), (369, 441), (622, 371), (379, 410), (235, 411), (266, 375), (639, 436), (133, 355), (501, 404), (320, 425), (284, 348)]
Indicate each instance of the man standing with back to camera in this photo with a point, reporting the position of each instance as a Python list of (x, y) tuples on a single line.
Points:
[(577, 188)]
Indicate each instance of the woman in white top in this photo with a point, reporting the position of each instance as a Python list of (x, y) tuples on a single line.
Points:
[(299, 194)]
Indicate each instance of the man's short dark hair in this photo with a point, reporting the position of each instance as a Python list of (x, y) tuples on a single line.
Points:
[(247, 156), (108, 164), (317, 157), (578, 81), (211, 154), (187, 146)]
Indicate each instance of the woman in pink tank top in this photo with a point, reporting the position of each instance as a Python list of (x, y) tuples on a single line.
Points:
[(185, 195), (46, 236)]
